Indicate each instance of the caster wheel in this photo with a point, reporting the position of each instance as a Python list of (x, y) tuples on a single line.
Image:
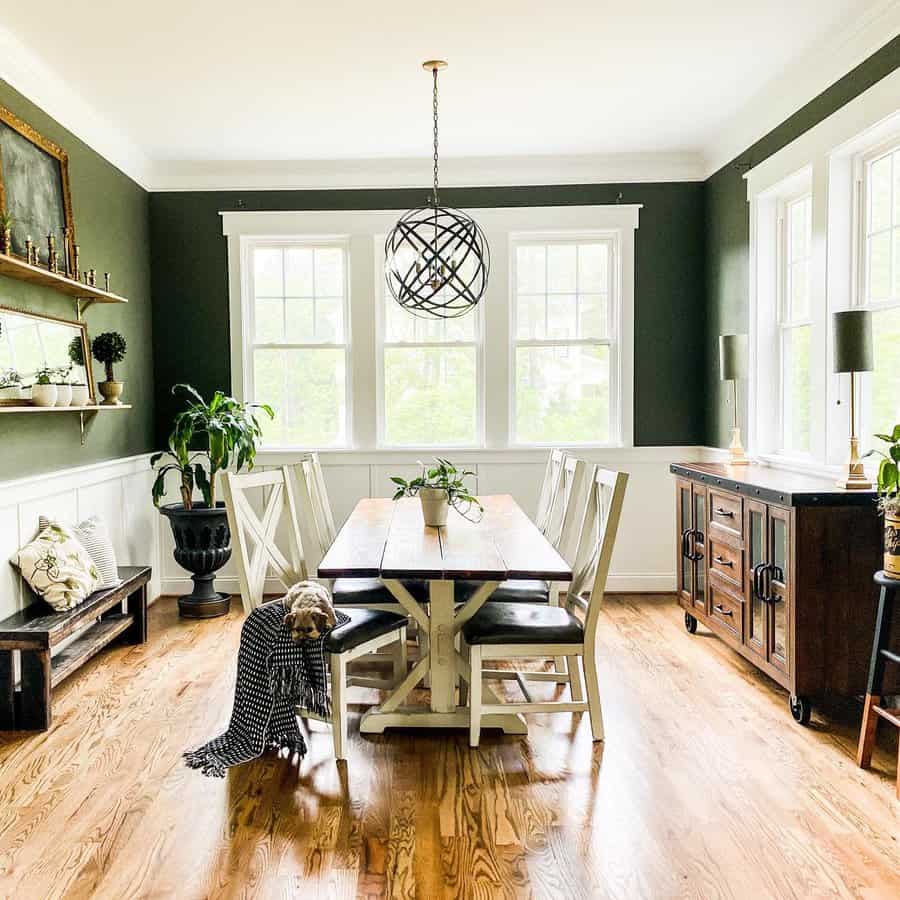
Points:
[(690, 623), (800, 709)]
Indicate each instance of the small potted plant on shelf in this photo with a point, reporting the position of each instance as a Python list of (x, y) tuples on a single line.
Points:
[(109, 348), (43, 391), (206, 438), (6, 223), (889, 499), (438, 488), (80, 394), (63, 388), (11, 393)]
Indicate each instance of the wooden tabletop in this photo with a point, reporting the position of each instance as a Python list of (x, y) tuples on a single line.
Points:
[(388, 539)]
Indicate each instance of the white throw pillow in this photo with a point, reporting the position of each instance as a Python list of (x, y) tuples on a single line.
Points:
[(93, 536), (58, 568)]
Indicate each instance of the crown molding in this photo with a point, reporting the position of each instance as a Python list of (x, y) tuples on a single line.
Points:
[(803, 80), (415, 173), (44, 87)]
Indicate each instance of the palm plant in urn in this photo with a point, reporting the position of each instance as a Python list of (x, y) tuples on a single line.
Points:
[(109, 348), (438, 488), (889, 499), (207, 437)]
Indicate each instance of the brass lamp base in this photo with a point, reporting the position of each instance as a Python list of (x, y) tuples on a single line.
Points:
[(736, 454), (855, 479)]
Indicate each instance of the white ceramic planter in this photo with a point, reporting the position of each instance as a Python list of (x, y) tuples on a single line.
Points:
[(80, 395), (434, 506), (43, 394), (13, 392), (63, 395)]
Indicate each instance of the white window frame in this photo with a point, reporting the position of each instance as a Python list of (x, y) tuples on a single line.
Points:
[(382, 345), (614, 328), (248, 319), (784, 323)]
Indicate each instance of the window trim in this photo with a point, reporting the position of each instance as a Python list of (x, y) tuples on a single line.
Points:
[(248, 245), (612, 237)]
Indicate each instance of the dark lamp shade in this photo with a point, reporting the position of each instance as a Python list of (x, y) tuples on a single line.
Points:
[(732, 356), (853, 350)]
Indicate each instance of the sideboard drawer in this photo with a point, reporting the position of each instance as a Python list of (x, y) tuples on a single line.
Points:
[(726, 514), (727, 561), (726, 609)]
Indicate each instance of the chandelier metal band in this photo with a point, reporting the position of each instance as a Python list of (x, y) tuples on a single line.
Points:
[(437, 259)]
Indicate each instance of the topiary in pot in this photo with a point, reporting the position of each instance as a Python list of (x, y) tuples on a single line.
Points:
[(109, 348)]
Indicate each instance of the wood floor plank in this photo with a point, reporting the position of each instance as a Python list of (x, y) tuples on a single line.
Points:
[(704, 787)]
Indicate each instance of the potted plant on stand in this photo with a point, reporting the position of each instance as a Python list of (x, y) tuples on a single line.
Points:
[(439, 488), (80, 394), (109, 348), (206, 438), (43, 391), (11, 388), (889, 499)]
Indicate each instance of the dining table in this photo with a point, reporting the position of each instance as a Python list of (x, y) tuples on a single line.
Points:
[(388, 539)]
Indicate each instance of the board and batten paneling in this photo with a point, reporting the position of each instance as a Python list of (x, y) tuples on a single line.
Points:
[(644, 558), (117, 490)]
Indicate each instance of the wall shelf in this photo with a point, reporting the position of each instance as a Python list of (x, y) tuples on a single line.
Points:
[(86, 414), (83, 294)]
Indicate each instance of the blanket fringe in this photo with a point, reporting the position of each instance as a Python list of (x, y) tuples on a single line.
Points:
[(289, 682), (205, 760)]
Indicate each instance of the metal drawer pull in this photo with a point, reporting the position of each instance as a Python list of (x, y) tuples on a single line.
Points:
[(721, 511), (722, 611), (723, 562)]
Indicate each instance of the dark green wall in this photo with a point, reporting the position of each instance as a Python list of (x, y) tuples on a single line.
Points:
[(190, 286), (728, 228), (112, 226)]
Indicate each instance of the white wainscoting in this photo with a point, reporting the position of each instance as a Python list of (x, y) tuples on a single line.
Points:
[(644, 559), (118, 490)]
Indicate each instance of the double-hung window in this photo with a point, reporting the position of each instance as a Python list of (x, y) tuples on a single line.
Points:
[(879, 273), (430, 378), (794, 322), (564, 336), (297, 313)]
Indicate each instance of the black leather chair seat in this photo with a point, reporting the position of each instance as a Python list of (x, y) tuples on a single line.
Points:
[(364, 625), (522, 623), (372, 590), (524, 591)]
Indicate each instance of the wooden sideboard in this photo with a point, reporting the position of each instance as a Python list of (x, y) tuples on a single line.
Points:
[(780, 566)]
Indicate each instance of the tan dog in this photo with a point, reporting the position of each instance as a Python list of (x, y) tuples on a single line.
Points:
[(309, 611)]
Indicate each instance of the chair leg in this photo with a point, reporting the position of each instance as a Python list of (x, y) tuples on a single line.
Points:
[(867, 732), (559, 662), (475, 696), (575, 684), (339, 704), (593, 693), (400, 660)]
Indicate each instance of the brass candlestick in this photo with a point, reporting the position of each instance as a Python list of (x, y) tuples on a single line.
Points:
[(29, 249), (76, 262), (67, 254), (92, 277), (51, 249), (106, 281)]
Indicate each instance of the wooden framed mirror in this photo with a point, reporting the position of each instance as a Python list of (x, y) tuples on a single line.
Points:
[(33, 344)]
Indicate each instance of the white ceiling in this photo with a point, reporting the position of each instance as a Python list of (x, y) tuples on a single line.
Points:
[(214, 80)]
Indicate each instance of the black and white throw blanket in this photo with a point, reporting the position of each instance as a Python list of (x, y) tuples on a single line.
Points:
[(274, 675)]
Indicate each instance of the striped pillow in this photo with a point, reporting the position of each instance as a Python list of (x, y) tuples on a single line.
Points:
[(93, 536)]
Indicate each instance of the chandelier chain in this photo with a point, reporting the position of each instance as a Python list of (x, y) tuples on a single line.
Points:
[(435, 111)]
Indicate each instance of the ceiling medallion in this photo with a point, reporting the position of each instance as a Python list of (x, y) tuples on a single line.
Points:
[(437, 258)]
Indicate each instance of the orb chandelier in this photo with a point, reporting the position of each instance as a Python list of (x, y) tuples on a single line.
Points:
[(436, 259)]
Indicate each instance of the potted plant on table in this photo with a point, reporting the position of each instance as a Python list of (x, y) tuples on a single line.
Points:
[(11, 393), (206, 438), (80, 394), (889, 499), (109, 348), (438, 488), (43, 391)]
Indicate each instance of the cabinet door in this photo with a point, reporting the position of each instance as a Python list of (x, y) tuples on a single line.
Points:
[(699, 547), (685, 527), (779, 586), (757, 556)]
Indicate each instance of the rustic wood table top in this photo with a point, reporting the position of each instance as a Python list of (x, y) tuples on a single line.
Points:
[(388, 539)]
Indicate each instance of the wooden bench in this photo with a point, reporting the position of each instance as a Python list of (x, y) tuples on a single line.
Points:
[(36, 630)]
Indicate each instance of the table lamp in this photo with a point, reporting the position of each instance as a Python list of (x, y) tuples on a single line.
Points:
[(733, 365), (853, 353)]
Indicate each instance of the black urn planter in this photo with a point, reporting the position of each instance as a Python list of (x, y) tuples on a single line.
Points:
[(202, 546)]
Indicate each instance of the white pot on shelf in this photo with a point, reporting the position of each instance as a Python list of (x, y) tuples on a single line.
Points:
[(12, 392), (43, 394), (63, 395), (80, 395)]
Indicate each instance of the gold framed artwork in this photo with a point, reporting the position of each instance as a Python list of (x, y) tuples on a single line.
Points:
[(34, 187)]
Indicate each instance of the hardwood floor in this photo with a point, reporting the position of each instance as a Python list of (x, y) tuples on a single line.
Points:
[(704, 788)]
